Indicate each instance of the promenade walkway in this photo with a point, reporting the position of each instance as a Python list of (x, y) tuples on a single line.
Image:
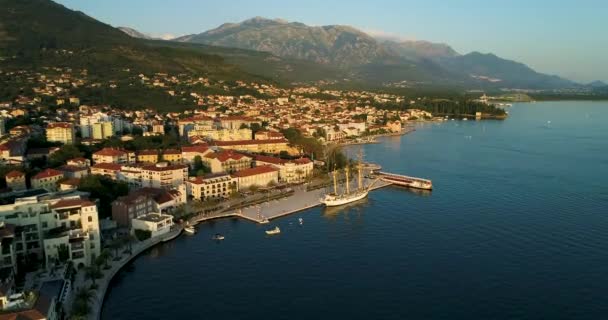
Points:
[(115, 266)]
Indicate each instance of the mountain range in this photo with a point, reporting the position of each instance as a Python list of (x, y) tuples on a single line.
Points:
[(370, 58), (38, 33)]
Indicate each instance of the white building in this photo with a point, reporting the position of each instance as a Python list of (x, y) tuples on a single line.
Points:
[(57, 230), (158, 224), (164, 175), (214, 186)]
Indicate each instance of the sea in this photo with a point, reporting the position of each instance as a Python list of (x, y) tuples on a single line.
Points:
[(515, 228)]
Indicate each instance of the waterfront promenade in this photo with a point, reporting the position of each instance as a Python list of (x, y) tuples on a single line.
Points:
[(115, 266)]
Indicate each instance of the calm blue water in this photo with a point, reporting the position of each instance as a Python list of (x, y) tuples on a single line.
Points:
[(516, 228)]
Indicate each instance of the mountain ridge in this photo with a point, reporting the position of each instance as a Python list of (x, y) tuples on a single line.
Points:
[(350, 48)]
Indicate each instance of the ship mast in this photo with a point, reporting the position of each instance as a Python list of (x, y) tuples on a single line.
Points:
[(335, 182), (347, 172), (359, 165)]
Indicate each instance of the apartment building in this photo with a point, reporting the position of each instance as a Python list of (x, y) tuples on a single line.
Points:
[(227, 161), (47, 179), (259, 176), (214, 186), (290, 171), (114, 155), (164, 175), (61, 132), (15, 180), (54, 230)]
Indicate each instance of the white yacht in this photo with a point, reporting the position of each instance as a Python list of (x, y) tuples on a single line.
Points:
[(276, 230), (189, 230)]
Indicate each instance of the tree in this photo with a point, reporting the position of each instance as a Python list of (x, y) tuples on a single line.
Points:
[(299, 173), (104, 256), (254, 188), (64, 154), (81, 303), (92, 273), (127, 241), (115, 245)]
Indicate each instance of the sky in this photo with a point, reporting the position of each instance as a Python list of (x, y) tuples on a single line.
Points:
[(563, 37)]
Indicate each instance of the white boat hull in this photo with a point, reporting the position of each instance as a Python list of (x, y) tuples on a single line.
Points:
[(333, 201)]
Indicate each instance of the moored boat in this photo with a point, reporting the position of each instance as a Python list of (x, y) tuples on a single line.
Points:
[(276, 230), (189, 230), (217, 237)]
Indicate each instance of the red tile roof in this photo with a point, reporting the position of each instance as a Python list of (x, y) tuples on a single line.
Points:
[(14, 174), (225, 155), (147, 153), (198, 148), (47, 173), (171, 151), (112, 152), (68, 203), (71, 182), (268, 159), (254, 171), (64, 125), (248, 142)]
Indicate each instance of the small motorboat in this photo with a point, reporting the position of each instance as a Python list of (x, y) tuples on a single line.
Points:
[(189, 230), (301, 221), (276, 230), (217, 237)]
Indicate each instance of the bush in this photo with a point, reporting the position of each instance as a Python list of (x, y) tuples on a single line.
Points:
[(142, 235)]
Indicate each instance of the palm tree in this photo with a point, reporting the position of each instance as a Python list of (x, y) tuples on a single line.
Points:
[(115, 245), (92, 273), (128, 240), (84, 294), (104, 256), (299, 173)]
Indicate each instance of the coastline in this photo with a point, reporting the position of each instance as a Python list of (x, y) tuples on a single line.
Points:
[(302, 200)]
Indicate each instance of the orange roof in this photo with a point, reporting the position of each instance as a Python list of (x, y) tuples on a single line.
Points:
[(254, 171), (14, 174), (225, 155), (199, 148), (147, 153), (64, 125), (268, 159), (111, 152), (67, 203), (71, 182), (248, 142), (171, 151), (47, 173)]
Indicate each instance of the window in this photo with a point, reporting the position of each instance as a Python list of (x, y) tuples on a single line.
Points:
[(45, 225), (90, 219)]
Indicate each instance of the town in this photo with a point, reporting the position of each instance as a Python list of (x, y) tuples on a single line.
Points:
[(87, 187)]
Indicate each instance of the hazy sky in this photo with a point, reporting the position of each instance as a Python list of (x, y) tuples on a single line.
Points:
[(568, 38)]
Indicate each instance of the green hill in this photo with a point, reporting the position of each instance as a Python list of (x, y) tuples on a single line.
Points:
[(39, 33)]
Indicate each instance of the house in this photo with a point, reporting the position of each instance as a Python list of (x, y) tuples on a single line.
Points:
[(272, 146), (69, 184), (114, 155), (290, 171), (227, 161), (164, 175), (71, 171), (53, 227), (259, 176), (214, 186), (147, 156), (129, 207), (15, 180), (268, 135), (79, 162), (63, 132), (156, 223), (191, 152), (109, 170), (172, 156), (47, 179)]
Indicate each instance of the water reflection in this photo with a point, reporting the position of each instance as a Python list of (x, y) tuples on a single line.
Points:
[(357, 206)]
